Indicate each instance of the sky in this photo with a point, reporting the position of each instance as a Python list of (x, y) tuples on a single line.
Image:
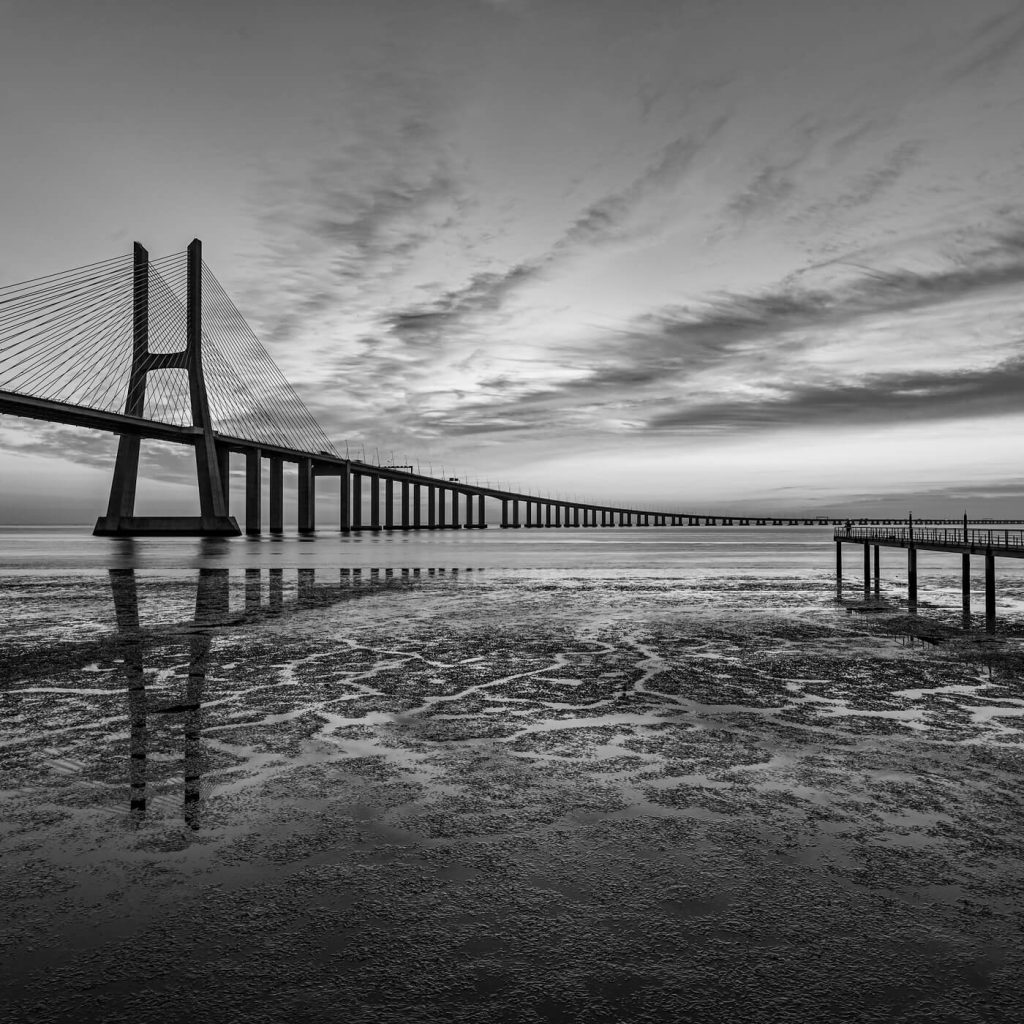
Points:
[(724, 256)]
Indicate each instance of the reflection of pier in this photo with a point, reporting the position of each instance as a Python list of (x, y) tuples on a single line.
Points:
[(990, 543)]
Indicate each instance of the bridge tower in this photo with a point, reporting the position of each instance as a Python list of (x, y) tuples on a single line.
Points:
[(213, 520)]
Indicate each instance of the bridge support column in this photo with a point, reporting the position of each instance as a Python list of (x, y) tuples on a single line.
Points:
[(515, 514), (276, 495), (389, 504), (307, 497), (878, 575), (867, 570), (431, 507), (374, 501), (224, 471), (481, 512), (455, 509), (912, 577), (345, 499), (990, 592), (576, 515), (469, 511), (357, 501), (504, 513), (442, 521), (253, 492), (405, 504), (417, 506), (965, 585), (839, 570)]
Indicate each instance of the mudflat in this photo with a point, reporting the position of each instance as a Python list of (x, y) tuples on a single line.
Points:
[(476, 796)]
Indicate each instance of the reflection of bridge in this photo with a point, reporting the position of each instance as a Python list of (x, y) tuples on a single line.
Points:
[(157, 350), (212, 614)]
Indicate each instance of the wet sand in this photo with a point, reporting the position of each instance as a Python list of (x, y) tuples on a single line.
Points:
[(485, 797)]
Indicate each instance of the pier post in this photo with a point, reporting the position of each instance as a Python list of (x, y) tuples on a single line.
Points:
[(481, 512), (515, 513), (839, 570), (417, 502), (253, 492), (405, 504), (867, 570), (575, 515), (455, 509), (504, 513), (389, 504), (276, 495), (307, 497), (878, 575), (440, 508), (990, 592), (965, 584), (912, 577), (469, 509), (345, 499), (431, 507), (357, 501)]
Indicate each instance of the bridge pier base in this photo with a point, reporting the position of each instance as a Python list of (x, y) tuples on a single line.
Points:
[(912, 577), (965, 585), (839, 570)]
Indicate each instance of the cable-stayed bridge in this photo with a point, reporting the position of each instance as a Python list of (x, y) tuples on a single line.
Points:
[(156, 349)]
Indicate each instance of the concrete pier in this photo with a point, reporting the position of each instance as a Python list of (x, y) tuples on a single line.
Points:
[(253, 492), (965, 584), (345, 499), (374, 500), (307, 497), (276, 495), (357, 500), (389, 504)]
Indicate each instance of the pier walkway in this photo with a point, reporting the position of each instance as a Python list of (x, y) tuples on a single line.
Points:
[(989, 542)]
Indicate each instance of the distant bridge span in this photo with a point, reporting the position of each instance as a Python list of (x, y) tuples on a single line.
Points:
[(120, 346)]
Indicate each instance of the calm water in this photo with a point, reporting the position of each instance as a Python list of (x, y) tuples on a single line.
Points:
[(545, 775)]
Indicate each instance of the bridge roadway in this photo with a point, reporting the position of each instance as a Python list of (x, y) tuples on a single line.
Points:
[(538, 511)]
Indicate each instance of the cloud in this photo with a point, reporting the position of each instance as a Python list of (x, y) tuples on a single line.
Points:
[(874, 399), (993, 46)]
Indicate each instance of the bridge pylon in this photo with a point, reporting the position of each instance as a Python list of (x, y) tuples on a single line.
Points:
[(213, 519)]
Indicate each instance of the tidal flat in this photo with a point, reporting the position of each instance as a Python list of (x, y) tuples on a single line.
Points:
[(477, 796)]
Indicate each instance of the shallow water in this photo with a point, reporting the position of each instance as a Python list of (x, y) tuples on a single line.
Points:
[(613, 775)]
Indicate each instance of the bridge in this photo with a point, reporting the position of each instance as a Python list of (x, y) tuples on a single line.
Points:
[(155, 349)]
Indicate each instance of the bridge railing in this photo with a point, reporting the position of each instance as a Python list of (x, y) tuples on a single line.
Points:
[(952, 536)]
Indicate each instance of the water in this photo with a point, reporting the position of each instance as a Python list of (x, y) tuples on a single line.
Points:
[(539, 775)]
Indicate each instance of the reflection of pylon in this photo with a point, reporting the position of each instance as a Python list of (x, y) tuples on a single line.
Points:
[(213, 519), (211, 610)]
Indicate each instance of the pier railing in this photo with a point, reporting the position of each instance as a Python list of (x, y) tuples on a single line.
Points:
[(996, 539)]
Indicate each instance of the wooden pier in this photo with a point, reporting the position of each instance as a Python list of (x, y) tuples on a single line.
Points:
[(991, 543)]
